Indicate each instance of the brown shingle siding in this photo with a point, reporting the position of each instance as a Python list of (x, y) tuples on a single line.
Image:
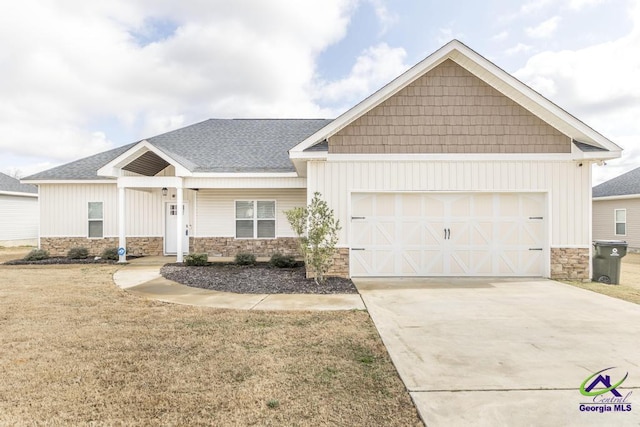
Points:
[(449, 110)]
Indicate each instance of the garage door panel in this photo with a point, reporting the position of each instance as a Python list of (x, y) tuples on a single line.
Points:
[(456, 234)]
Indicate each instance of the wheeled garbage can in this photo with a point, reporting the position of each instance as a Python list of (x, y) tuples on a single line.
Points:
[(606, 260)]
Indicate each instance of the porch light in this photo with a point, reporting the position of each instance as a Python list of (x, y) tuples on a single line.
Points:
[(164, 191)]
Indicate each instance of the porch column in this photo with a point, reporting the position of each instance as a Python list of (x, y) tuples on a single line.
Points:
[(122, 237), (180, 220)]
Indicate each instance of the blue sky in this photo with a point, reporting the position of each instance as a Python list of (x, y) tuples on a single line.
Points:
[(81, 77)]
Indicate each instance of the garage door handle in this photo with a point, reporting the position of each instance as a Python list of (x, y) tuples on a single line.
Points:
[(535, 249), (536, 217), (447, 234), (357, 217), (357, 249)]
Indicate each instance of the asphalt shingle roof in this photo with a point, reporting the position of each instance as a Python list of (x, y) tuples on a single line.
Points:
[(13, 185), (625, 184), (215, 145)]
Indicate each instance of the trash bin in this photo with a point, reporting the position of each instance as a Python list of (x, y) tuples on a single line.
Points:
[(606, 260)]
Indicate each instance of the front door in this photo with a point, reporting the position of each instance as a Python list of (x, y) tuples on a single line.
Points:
[(170, 228)]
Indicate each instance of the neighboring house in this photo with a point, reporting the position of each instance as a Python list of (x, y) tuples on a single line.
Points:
[(616, 210), (18, 213), (455, 168)]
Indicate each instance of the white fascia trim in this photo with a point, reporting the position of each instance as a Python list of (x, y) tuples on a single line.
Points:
[(15, 193), (600, 155), (621, 197), (452, 157), (111, 168), (68, 181), (308, 155), (245, 175)]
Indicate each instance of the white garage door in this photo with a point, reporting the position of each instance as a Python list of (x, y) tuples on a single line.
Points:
[(448, 234)]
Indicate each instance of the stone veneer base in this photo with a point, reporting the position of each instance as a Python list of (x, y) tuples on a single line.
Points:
[(230, 247), (570, 264), (137, 246)]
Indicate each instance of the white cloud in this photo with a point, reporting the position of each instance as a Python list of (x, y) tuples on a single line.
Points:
[(500, 36), (600, 85), (445, 35), (519, 48), (375, 67), (581, 4), (70, 68), (545, 29), (386, 18)]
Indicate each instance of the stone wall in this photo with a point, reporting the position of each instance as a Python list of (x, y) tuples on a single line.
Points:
[(59, 246), (570, 264), (340, 267), (230, 247)]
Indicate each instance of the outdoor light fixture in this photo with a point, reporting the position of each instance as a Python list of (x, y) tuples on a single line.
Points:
[(164, 191)]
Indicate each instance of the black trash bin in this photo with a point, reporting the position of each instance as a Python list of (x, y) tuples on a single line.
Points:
[(606, 260)]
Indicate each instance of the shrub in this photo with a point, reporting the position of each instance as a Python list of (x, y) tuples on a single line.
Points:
[(197, 260), (110, 254), (282, 261), (78, 253), (245, 259), (37, 255)]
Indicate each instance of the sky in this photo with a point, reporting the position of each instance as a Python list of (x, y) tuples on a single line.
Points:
[(79, 77)]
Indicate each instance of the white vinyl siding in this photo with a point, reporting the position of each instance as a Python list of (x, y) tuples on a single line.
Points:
[(19, 218), (216, 209), (566, 183), (604, 226), (620, 219)]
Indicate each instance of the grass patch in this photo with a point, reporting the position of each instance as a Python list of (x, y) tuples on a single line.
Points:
[(77, 350), (623, 292)]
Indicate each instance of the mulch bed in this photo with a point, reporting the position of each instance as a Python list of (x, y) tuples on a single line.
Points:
[(257, 279), (63, 260)]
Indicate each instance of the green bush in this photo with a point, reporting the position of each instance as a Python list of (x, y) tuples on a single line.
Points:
[(110, 254), (197, 260), (282, 261), (78, 253), (37, 255), (245, 259)]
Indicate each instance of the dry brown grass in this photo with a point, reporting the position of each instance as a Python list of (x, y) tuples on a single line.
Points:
[(11, 253), (77, 350)]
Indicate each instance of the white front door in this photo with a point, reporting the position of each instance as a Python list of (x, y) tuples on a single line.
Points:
[(170, 228), (448, 234)]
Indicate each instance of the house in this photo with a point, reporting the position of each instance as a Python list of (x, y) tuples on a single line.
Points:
[(616, 210), (455, 168), (19, 213)]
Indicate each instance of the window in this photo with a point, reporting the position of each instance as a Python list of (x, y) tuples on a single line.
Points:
[(621, 222), (96, 220), (255, 219)]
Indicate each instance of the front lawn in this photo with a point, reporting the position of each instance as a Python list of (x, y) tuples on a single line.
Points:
[(78, 350)]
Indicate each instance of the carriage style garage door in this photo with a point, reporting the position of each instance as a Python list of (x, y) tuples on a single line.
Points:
[(448, 234)]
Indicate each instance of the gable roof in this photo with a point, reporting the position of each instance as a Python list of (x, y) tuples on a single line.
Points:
[(214, 145), (12, 185), (623, 185), (490, 74)]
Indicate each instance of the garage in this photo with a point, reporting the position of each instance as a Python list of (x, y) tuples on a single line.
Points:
[(448, 234)]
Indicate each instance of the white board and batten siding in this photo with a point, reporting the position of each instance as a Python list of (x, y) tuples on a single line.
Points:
[(565, 183), (216, 209), (19, 222)]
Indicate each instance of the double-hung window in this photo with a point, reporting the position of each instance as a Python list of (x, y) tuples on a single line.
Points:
[(96, 220), (621, 222), (255, 219)]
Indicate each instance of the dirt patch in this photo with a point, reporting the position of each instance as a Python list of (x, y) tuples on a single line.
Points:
[(257, 279), (76, 350)]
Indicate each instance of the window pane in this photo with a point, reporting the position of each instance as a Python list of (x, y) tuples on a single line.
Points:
[(244, 209), (621, 215), (621, 228), (266, 228), (95, 228), (95, 210), (244, 229), (266, 209)]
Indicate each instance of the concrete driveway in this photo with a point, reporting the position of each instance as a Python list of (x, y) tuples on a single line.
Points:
[(507, 352)]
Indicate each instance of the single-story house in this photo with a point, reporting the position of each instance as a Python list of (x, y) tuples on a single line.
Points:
[(616, 210), (455, 168), (19, 212)]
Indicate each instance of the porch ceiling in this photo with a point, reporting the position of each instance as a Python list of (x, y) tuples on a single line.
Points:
[(148, 164)]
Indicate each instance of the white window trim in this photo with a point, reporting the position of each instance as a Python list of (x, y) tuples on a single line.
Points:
[(616, 222), (255, 219), (89, 220)]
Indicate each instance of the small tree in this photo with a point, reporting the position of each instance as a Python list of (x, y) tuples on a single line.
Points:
[(317, 231)]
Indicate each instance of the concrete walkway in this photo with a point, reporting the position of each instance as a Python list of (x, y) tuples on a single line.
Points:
[(142, 277)]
